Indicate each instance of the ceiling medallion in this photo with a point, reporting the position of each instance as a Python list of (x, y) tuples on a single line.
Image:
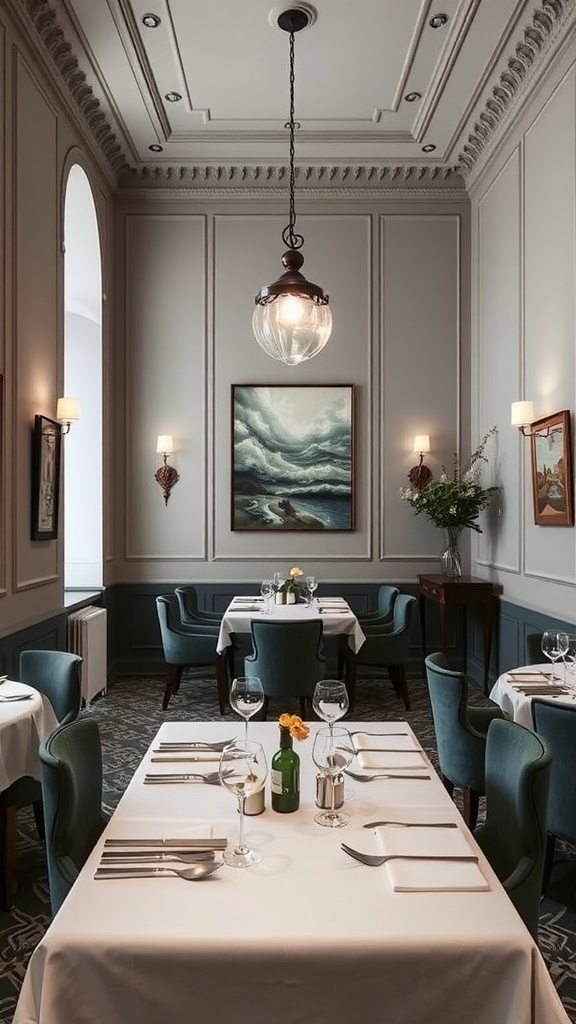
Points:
[(151, 20), (438, 20)]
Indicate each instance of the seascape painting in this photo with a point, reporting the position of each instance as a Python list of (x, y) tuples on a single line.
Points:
[(292, 457)]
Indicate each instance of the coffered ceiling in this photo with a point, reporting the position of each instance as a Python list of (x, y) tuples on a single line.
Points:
[(376, 83)]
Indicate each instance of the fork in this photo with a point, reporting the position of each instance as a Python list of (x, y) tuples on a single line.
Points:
[(210, 778), (381, 775), (375, 861)]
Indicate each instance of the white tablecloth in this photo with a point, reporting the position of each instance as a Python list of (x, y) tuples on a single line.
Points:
[(518, 705), (307, 936), (23, 724), (336, 619)]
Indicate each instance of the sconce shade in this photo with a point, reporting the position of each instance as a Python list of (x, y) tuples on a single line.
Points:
[(521, 414), (68, 410), (421, 443), (164, 444)]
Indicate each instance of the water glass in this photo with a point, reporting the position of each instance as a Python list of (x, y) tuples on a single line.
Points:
[(243, 771), (267, 590), (551, 648), (331, 753), (311, 586)]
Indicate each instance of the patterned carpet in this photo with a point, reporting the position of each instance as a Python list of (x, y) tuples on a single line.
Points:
[(129, 716)]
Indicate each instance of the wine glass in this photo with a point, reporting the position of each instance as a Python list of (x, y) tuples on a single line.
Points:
[(311, 586), (330, 701), (243, 770), (279, 580), (563, 644), (331, 753), (246, 698), (267, 589), (551, 649), (570, 660)]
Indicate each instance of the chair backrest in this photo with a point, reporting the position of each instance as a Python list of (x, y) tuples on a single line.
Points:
[(71, 778), (184, 644), (534, 654), (557, 724), (56, 674), (461, 750), (188, 603), (287, 657), (513, 836), (386, 600)]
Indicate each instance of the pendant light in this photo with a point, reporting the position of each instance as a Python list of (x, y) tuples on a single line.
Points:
[(292, 319)]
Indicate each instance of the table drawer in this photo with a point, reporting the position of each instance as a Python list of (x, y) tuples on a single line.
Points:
[(430, 589)]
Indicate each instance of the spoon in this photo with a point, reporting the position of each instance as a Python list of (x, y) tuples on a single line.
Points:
[(194, 873)]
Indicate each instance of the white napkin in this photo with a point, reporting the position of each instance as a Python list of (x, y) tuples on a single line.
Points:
[(363, 740), (528, 677), (11, 688), (394, 759), (433, 875)]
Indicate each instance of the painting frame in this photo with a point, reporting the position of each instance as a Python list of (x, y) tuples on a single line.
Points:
[(292, 458), (552, 472), (46, 447)]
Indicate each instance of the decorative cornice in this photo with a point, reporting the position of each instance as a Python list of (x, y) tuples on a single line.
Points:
[(313, 177), (41, 19), (540, 39)]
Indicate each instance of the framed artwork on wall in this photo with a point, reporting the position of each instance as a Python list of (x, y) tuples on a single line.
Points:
[(552, 477), (46, 441), (292, 457)]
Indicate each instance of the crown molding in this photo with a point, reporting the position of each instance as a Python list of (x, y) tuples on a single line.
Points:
[(542, 38), (312, 178)]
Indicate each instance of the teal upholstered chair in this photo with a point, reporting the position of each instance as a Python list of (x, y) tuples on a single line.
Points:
[(71, 774), (556, 723), (513, 836), (287, 657), (190, 613), (55, 674), (382, 615), (188, 646), (384, 611), (460, 733), (386, 647), (534, 655)]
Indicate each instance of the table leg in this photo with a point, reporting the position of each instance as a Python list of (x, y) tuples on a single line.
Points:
[(422, 608), (443, 625), (488, 630)]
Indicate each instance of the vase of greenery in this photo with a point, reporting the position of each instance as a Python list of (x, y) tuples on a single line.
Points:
[(454, 503)]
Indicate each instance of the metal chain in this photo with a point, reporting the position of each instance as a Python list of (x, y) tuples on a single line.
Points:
[(289, 236)]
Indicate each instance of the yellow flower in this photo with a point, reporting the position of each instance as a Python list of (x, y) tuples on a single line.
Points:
[(297, 728), (296, 572)]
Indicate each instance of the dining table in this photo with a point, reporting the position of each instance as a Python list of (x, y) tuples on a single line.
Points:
[(337, 618), (26, 717), (514, 690), (308, 933)]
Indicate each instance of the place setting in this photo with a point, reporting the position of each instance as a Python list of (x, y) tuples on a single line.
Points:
[(192, 857)]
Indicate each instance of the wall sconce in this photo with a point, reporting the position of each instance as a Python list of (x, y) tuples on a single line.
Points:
[(420, 476), (67, 413), (166, 475), (522, 416)]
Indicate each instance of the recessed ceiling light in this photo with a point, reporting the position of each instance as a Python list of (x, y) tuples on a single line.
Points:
[(155, 148), (425, 149), (173, 97), (151, 20), (438, 20), (411, 97)]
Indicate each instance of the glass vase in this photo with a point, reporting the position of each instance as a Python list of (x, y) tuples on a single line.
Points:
[(451, 557)]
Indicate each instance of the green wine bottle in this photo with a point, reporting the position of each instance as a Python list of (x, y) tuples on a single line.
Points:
[(285, 776)]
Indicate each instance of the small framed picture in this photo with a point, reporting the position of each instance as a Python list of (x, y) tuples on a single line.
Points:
[(552, 478), (46, 440)]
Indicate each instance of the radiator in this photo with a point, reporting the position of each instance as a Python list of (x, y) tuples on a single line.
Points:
[(87, 637)]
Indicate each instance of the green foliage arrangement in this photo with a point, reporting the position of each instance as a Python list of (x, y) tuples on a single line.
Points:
[(456, 500)]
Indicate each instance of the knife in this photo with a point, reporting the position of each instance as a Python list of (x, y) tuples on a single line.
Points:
[(169, 758), (185, 844), (123, 857)]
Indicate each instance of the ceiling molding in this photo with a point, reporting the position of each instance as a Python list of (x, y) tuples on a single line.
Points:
[(513, 81), (541, 39), (270, 177)]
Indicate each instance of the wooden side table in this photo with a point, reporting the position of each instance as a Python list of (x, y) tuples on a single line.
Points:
[(463, 591)]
